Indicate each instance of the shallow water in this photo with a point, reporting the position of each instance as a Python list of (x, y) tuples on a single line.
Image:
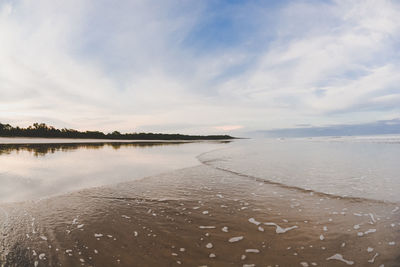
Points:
[(35, 169), (207, 216), (359, 167), (199, 216)]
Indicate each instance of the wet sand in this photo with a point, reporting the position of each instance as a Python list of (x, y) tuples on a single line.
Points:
[(199, 216)]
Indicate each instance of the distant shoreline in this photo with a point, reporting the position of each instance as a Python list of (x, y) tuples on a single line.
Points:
[(6, 142), (41, 130)]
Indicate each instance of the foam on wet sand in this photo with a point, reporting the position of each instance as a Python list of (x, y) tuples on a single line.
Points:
[(116, 226)]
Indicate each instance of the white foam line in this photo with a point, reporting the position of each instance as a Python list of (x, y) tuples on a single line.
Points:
[(373, 258), (280, 230), (252, 250), (372, 217), (339, 257), (206, 227), (253, 221), (235, 239), (370, 231)]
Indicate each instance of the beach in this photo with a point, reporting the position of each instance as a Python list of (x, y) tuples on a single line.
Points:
[(199, 133), (199, 216)]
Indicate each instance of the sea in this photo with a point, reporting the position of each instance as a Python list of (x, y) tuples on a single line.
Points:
[(365, 167), (321, 201)]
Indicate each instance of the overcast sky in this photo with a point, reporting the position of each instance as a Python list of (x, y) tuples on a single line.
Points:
[(198, 66)]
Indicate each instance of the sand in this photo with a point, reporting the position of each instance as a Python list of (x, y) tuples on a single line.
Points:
[(199, 216)]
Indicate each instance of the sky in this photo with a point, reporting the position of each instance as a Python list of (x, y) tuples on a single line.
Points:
[(199, 67)]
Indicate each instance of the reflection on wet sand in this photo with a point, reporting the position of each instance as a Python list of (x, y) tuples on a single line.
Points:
[(43, 149), (199, 216), (32, 171)]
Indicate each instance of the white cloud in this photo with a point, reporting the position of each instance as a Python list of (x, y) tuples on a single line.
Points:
[(316, 71), (88, 65)]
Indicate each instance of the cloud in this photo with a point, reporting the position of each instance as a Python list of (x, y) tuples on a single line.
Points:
[(339, 62), (198, 67), (228, 127)]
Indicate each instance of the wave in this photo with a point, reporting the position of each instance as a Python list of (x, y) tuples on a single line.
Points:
[(300, 189), (239, 159)]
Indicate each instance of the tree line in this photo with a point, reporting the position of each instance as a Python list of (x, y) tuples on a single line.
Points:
[(45, 131)]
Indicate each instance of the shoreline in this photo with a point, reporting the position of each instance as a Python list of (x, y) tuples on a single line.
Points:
[(35, 171), (41, 140), (170, 220)]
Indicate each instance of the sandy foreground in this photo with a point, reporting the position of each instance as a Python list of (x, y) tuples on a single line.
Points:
[(199, 216)]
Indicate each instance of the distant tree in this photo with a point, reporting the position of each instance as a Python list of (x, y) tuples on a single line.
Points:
[(43, 130)]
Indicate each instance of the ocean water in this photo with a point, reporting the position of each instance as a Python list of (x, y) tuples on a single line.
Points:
[(355, 167), (287, 202), (31, 169)]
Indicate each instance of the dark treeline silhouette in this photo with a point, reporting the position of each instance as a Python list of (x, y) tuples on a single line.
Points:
[(43, 130)]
